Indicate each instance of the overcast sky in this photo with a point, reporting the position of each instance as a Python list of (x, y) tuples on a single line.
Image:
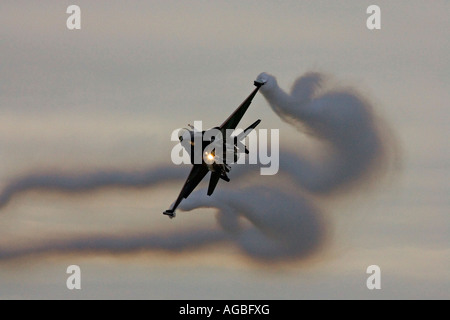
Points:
[(108, 96)]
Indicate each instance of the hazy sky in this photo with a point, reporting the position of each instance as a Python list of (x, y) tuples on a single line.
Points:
[(108, 96)]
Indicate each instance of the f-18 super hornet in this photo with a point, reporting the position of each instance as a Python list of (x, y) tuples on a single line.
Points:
[(211, 159)]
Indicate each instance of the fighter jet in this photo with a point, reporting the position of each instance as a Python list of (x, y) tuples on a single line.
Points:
[(216, 152)]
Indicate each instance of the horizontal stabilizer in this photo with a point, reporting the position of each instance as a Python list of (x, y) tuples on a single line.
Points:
[(213, 182)]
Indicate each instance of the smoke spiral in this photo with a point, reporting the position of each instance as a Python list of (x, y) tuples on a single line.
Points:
[(343, 120)]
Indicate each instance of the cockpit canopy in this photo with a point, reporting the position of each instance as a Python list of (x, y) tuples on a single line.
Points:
[(185, 135)]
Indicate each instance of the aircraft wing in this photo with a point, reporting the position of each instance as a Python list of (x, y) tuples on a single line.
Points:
[(196, 175), (236, 116)]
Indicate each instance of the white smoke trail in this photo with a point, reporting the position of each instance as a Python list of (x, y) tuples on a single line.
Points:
[(271, 223), (282, 226), (116, 244), (79, 183), (354, 142)]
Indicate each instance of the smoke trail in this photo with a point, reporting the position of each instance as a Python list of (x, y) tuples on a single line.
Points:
[(273, 234), (270, 224), (114, 244), (282, 226), (73, 183), (342, 119)]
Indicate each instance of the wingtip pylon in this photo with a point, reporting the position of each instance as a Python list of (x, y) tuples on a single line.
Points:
[(170, 213)]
